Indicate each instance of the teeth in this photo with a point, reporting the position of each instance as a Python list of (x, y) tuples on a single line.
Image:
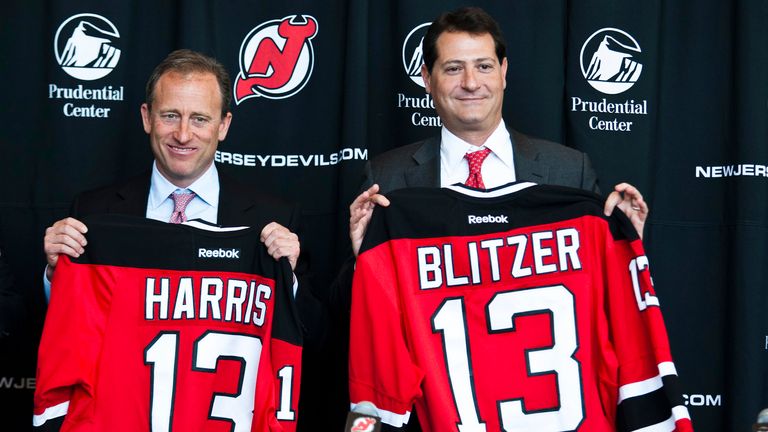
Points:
[(182, 149)]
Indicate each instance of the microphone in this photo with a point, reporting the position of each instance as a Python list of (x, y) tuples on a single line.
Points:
[(762, 421), (364, 417)]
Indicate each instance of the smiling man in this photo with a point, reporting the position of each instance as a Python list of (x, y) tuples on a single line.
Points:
[(467, 82), (183, 124), (186, 115), (465, 68)]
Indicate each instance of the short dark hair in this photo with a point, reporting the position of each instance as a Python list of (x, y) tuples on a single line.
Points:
[(186, 61), (472, 20)]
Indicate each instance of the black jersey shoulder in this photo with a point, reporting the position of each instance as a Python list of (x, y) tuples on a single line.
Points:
[(439, 212), (132, 241)]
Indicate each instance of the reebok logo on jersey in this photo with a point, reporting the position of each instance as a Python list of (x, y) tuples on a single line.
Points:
[(218, 253), (472, 219)]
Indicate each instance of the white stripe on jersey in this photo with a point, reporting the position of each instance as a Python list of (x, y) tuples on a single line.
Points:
[(50, 413), (203, 225), (491, 193), (647, 386), (680, 412), (667, 368)]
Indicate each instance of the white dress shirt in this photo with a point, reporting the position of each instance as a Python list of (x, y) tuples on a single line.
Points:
[(205, 204), (498, 168)]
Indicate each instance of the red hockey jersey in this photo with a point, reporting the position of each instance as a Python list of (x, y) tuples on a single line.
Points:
[(162, 327), (520, 309)]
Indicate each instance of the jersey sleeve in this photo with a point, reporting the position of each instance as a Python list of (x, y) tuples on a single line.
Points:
[(285, 355), (648, 395), (380, 366), (69, 347)]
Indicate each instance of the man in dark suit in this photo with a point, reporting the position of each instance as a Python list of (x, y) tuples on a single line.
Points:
[(186, 114), (464, 71)]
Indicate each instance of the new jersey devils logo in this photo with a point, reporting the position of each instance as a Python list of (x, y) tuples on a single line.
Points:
[(276, 58)]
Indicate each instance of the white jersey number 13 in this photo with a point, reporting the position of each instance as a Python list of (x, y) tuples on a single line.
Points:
[(450, 320)]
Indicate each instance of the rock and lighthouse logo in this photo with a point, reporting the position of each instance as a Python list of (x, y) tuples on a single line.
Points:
[(413, 57), (85, 46), (276, 58), (609, 61)]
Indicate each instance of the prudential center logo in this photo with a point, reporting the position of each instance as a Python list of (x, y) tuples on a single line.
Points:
[(85, 46), (609, 61), (413, 57)]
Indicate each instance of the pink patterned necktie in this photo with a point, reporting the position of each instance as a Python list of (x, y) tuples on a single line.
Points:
[(180, 201), (475, 160)]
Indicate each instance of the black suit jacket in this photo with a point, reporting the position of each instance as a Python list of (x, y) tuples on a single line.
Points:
[(536, 160), (239, 205)]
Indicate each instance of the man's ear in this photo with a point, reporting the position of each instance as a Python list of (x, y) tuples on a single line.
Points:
[(504, 71), (425, 76), (224, 125), (145, 118)]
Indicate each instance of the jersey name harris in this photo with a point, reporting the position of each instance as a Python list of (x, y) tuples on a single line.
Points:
[(232, 300), (458, 263)]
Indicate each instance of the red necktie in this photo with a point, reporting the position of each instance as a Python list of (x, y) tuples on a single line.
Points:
[(475, 160), (180, 201)]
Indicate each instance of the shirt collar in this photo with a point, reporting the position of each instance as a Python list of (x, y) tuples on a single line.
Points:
[(453, 148), (206, 187)]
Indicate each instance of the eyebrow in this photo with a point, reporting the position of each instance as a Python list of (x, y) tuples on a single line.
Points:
[(476, 60), (192, 114)]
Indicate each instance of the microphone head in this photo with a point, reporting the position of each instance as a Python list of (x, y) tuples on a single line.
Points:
[(364, 417), (762, 416), (366, 408)]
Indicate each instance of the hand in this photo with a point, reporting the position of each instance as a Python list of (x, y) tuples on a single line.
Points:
[(360, 212), (630, 201), (281, 242), (63, 237)]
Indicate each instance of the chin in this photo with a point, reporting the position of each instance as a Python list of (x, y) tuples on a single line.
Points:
[(473, 122), (473, 116), (180, 173)]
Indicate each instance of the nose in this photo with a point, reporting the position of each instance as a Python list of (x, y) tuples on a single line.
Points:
[(182, 134), (469, 80)]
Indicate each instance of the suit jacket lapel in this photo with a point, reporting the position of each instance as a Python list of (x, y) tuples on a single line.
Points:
[(527, 165), (426, 172), (132, 197), (232, 202)]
